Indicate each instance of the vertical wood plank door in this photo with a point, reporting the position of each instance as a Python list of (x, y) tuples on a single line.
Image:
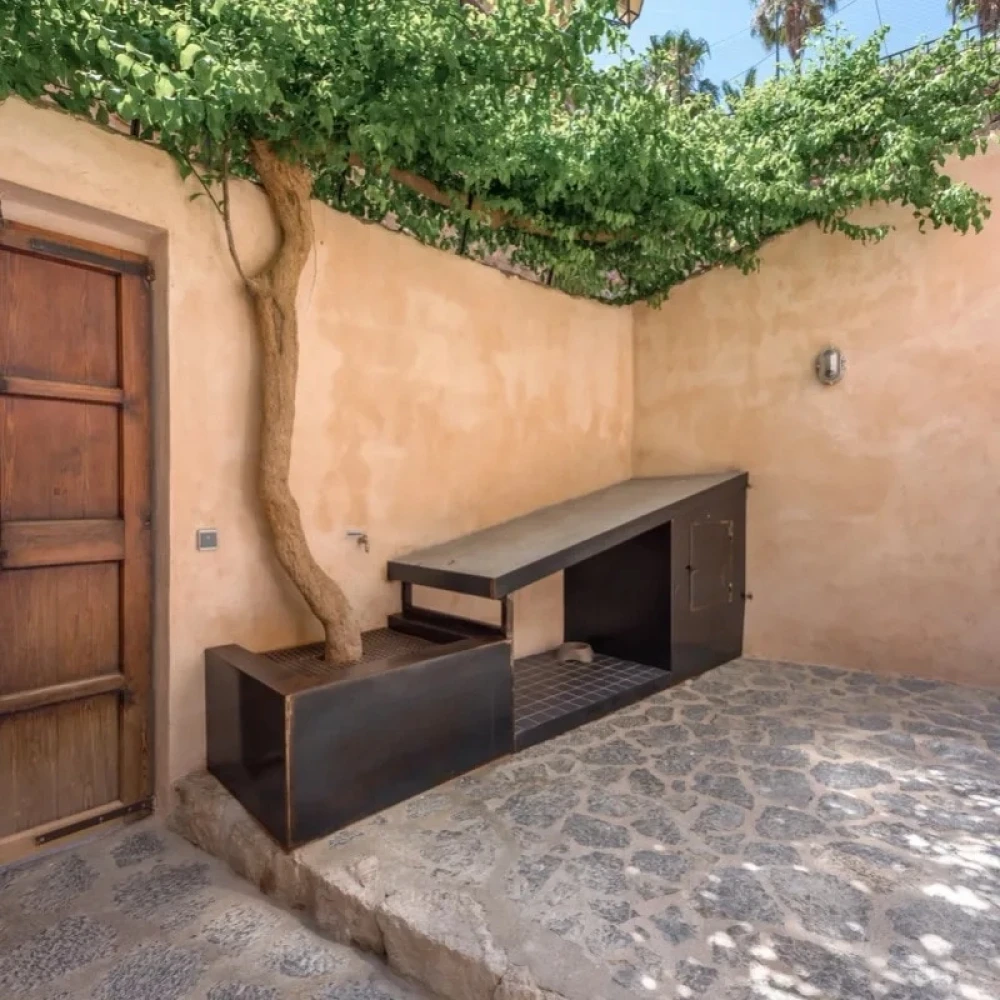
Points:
[(75, 535)]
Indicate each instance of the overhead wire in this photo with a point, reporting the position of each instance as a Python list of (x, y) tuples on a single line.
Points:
[(731, 38), (881, 24), (760, 62)]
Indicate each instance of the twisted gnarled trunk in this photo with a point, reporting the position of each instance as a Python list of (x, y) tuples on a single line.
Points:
[(273, 292)]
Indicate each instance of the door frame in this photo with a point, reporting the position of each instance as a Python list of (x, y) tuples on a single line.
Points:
[(134, 274)]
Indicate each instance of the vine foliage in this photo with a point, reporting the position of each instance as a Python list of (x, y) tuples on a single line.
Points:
[(419, 109)]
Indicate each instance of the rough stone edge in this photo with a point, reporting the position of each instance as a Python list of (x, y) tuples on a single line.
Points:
[(517, 984), (543, 962), (438, 937)]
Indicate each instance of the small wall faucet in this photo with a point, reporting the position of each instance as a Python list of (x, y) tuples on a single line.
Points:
[(361, 537)]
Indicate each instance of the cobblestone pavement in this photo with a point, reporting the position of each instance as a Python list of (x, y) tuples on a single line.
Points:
[(145, 916), (764, 831)]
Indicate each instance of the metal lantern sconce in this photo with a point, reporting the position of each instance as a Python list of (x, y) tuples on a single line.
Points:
[(628, 12), (830, 365)]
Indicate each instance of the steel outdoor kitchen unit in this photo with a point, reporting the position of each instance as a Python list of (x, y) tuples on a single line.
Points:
[(653, 576)]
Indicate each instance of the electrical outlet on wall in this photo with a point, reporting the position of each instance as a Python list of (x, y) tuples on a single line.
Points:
[(207, 539)]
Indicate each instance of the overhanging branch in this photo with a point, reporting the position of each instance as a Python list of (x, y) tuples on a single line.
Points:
[(498, 219)]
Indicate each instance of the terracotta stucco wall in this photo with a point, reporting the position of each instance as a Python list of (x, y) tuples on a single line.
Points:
[(436, 396), (874, 538)]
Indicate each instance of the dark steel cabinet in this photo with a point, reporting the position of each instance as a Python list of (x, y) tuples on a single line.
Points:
[(709, 580), (308, 751), (673, 596)]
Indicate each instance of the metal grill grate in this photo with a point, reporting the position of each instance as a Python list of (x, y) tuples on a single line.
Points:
[(546, 690), (379, 644)]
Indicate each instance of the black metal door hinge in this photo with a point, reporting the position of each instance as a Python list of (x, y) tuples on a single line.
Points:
[(143, 806)]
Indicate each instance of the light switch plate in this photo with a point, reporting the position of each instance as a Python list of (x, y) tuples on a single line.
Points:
[(207, 539)]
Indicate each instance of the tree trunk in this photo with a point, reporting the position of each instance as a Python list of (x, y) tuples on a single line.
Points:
[(273, 292), (988, 16)]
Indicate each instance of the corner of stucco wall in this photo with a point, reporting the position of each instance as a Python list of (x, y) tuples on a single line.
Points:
[(642, 316), (724, 378), (633, 318)]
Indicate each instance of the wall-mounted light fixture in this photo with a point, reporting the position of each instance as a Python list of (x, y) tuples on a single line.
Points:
[(629, 11), (830, 365)]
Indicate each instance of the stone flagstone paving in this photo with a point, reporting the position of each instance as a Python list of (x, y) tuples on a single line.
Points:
[(764, 831), (145, 916)]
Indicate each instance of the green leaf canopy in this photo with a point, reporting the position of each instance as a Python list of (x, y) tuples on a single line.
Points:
[(491, 129)]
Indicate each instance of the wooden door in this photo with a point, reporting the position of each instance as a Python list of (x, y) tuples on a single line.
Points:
[(75, 539)]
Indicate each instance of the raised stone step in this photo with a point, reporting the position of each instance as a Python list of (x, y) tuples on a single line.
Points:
[(762, 829), (462, 945)]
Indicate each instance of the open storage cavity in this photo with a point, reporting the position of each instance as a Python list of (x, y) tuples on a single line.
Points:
[(653, 580)]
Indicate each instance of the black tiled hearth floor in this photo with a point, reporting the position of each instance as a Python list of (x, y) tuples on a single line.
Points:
[(546, 691)]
